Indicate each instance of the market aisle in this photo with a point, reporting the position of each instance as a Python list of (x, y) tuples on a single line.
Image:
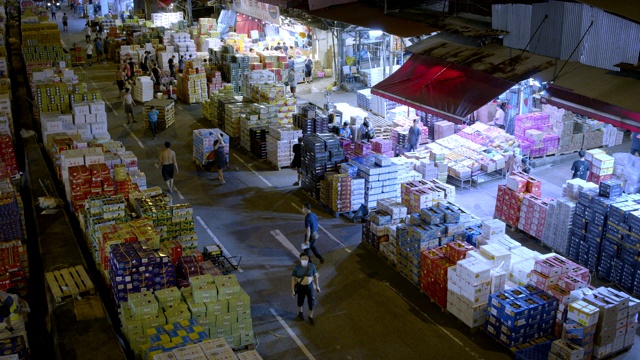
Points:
[(363, 298)]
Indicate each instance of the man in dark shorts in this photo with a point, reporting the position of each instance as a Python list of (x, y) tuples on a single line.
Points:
[(65, 22), (120, 80), (311, 232), (303, 281), (168, 165), (296, 163)]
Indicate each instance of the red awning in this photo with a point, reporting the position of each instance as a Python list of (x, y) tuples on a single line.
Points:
[(445, 89)]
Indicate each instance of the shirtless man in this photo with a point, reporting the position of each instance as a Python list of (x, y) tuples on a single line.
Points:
[(168, 165)]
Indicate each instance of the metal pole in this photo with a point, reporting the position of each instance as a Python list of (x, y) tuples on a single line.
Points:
[(574, 50), (189, 14)]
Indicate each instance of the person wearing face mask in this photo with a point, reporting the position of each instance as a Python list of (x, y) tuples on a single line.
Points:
[(304, 280)]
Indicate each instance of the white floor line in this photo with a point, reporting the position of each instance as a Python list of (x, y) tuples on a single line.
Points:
[(215, 239), (174, 187), (134, 136), (106, 101), (346, 249), (453, 337), (293, 335), (286, 243), (111, 107), (250, 168), (178, 191)]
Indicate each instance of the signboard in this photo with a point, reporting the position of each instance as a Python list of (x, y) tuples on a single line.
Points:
[(319, 4), (258, 10)]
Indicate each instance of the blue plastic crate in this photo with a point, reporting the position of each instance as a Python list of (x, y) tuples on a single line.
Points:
[(535, 352)]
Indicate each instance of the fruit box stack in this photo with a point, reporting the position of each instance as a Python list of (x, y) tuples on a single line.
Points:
[(557, 224), (110, 233), (601, 166), (280, 141), (469, 285), (335, 192), (520, 315), (617, 320), (380, 177), (559, 276), (533, 214), (382, 146), (434, 265), (7, 154), (420, 194), (134, 267), (509, 199), (618, 252), (536, 129), (10, 226), (221, 307)]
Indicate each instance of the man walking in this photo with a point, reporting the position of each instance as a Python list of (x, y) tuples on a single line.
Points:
[(304, 280), (580, 167), (172, 66), (65, 22), (89, 50), (152, 118), (127, 103), (308, 67), (311, 232), (120, 80), (87, 32), (291, 81), (414, 136), (296, 163), (99, 52), (53, 12), (169, 165)]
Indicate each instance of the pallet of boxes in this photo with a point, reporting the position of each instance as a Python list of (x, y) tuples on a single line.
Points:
[(170, 320)]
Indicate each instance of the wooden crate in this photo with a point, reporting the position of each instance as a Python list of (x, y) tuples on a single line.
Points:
[(70, 282), (88, 308)]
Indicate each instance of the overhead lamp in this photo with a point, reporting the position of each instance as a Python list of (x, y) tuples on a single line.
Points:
[(375, 33)]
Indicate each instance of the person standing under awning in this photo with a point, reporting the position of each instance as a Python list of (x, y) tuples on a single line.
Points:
[(498, 120)]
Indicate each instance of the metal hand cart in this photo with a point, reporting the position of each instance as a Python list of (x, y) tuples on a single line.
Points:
[(226, 263)]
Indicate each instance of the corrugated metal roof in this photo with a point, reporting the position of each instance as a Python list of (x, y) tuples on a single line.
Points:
[(604, 85), (624, 8), (493, 59)]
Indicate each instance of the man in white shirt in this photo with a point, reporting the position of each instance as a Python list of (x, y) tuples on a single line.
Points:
[(89, 50)]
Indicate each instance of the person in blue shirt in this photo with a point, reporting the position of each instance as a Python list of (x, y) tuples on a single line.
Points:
[(291, 63), (152, 117), (303, 281), (311, 232), (181, 64), (635, 143), (414, 136), (345, 131), (99, 49)]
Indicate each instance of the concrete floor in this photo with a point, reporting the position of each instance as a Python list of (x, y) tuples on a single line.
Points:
[(366, 309)]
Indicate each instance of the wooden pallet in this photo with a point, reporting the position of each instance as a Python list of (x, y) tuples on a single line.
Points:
[(70, 282), (88, 308)]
